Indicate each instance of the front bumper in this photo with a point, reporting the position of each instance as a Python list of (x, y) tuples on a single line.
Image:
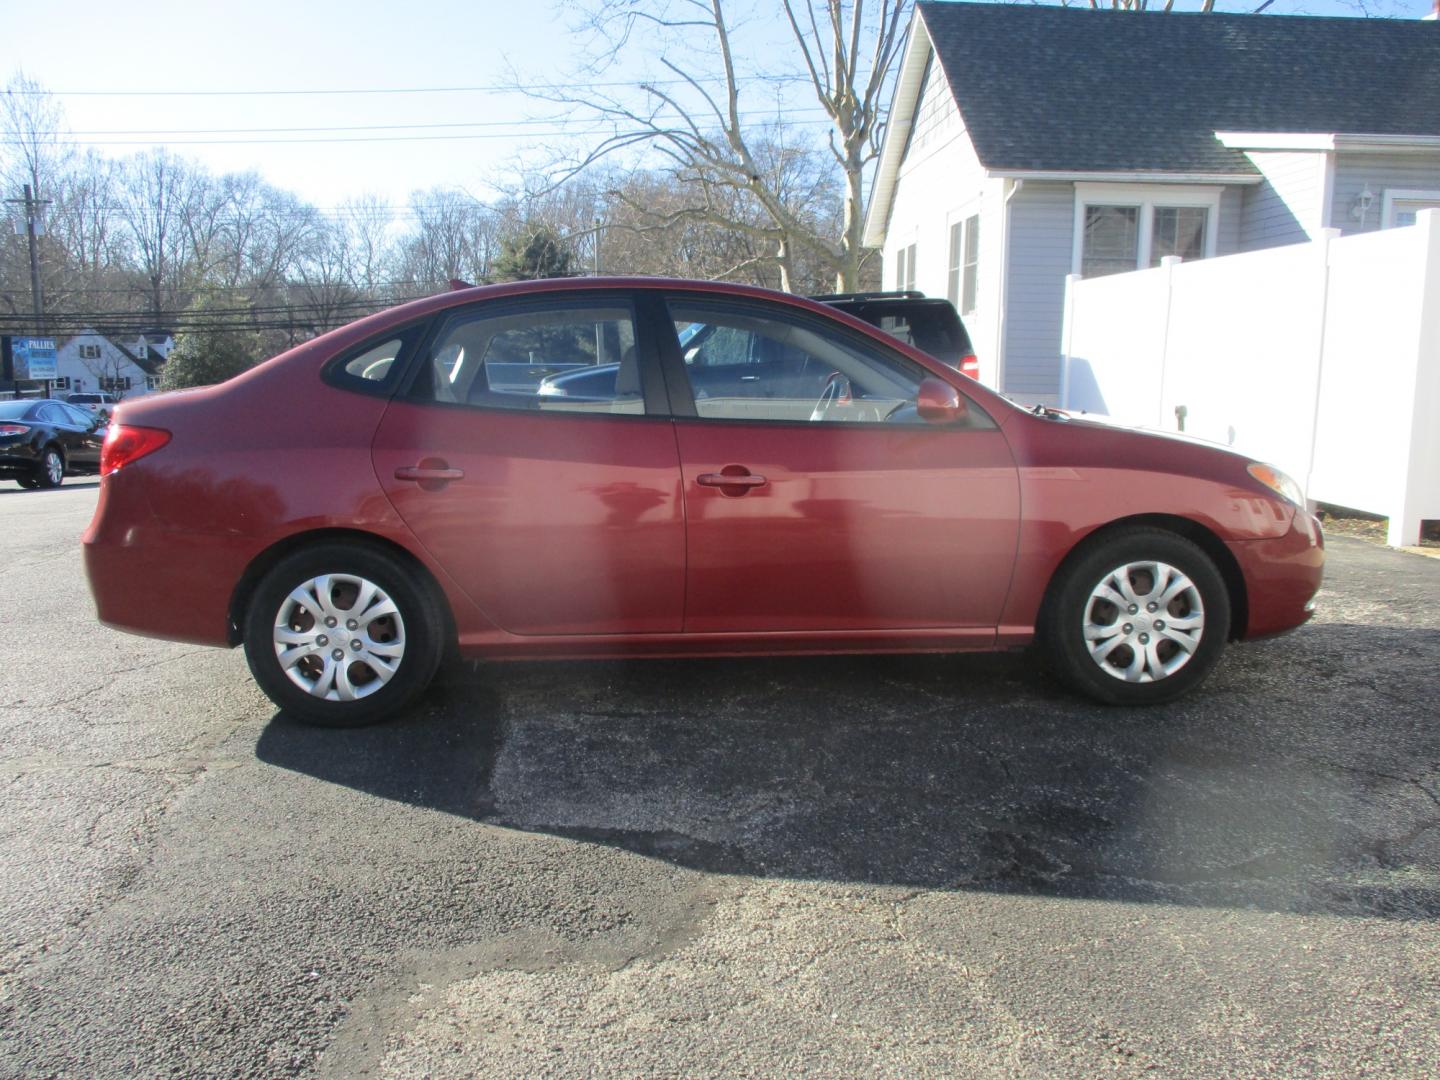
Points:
[(1282, 575)]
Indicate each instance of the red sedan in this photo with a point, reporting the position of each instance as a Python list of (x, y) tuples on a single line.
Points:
[(762, 474)]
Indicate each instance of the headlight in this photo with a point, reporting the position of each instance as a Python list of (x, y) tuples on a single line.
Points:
[(1279, 483)]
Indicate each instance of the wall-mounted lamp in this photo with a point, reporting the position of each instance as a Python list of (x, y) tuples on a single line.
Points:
[(1361, 206)]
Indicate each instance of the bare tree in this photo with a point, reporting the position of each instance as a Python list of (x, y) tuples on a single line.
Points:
[(845, 50)]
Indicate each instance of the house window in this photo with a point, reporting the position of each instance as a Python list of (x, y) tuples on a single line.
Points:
[(964, 263), (970, 272), (1122, 227), (118, 384), (1401, 207), (61, 383), (152, 382), (89, 352), (905, 268), (1178, 230)]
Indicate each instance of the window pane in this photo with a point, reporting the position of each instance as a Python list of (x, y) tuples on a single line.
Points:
[(972, 265), (910, 268), (1112, 240), (791, 370), (1179, 230), (957, 241), (374, 364), (571, 360)]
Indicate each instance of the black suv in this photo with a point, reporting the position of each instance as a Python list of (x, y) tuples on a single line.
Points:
[(931, 325)]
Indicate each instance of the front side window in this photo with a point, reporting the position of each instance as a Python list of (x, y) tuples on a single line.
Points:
[(579, 358), (794, 370)]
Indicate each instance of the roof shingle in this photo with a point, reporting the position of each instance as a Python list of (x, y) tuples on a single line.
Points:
[(1069, 89)]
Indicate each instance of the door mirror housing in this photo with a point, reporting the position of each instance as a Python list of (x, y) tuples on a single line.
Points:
[(940, 403)]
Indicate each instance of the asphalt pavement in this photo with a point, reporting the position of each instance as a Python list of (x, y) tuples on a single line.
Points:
[(830, 866)]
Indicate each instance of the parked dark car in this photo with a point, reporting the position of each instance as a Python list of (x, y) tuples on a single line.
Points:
[(931, 325), (42, 442), (765, 475)]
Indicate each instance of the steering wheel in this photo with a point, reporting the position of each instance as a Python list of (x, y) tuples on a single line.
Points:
[(837, 388)]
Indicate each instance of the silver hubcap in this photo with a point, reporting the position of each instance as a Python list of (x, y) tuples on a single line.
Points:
[(54, 468), (339, 637), (1143, 622)]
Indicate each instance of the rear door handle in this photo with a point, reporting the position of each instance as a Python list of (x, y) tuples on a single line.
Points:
[(421, 473), (724, 480)]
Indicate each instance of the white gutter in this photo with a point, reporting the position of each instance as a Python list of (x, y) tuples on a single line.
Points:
[(1127, 177), (1014, 188), (1298, 140)]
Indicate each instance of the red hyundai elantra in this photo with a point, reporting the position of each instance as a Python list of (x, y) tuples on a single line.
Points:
[(740, 472)]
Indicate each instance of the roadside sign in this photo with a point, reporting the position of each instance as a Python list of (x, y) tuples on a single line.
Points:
[(34, 358)]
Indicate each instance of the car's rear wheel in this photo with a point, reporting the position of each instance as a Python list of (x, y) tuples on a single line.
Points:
[(28, 482), (343, 635), (51, 473), (1138, 618)]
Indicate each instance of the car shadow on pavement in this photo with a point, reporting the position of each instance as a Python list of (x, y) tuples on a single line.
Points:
[(91, 482), (1294, 780)]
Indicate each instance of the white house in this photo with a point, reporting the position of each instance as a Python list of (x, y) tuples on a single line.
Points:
[(1027, 143), (121, 365)]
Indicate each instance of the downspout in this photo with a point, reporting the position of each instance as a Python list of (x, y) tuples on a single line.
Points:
[(1004, 298)]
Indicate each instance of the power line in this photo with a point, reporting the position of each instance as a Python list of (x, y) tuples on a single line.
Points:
[(495, 88)]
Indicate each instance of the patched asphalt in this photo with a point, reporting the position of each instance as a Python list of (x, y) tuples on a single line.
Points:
[(837, 866)]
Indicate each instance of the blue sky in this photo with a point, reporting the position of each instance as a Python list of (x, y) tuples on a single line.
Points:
[(86, 51)]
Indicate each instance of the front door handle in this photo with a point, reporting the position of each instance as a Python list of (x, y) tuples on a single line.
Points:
[(732, 480)]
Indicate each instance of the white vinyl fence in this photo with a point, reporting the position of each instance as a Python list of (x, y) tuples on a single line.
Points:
[(1322, 358)]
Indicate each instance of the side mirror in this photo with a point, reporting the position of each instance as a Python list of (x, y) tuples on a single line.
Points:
[(940, 403)]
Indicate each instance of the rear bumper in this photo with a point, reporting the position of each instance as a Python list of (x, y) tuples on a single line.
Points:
[(18, 460), (1282, 576), (159, 582)]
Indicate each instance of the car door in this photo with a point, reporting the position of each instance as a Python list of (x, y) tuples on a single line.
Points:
[(68, 433), (818, 499), (86, 455), (556, 516)]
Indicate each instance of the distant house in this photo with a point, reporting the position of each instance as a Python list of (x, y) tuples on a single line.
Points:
[(1028, 143), (119, 365)]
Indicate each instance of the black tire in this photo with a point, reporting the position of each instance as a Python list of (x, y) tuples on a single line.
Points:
[(50, 473), (1069, 606), (29, 483), (421, 629)]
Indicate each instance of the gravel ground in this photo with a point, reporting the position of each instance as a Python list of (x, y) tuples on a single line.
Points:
[(885, 866)]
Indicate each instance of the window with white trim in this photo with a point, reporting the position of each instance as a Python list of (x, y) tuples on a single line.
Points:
[(905, 268), (60, 383), (1401, 207), (963, 280), (1122, 227), (152, 382), (89, 352)]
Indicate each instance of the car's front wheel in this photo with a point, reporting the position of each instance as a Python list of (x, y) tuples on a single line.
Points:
[(343, 635), (1138, 618)]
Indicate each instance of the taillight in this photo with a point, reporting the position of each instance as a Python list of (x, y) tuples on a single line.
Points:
[(126, 444), (13, 429), (970, 365)]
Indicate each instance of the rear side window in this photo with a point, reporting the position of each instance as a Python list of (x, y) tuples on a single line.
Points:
[(576, 358), (373, 365)]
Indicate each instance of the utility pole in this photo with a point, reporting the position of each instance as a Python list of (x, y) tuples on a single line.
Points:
[(33, 228)]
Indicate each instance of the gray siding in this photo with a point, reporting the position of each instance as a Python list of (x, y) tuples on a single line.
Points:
[(1227, 229), (1273, 209), (1411, 172), (1042, 228)]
